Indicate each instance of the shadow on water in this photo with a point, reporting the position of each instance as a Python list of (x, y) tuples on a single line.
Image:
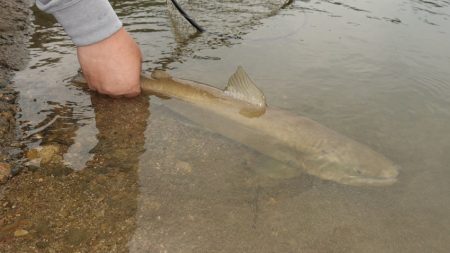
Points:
[(113, 175)]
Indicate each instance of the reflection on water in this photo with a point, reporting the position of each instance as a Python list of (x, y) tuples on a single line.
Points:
[(376, 71)]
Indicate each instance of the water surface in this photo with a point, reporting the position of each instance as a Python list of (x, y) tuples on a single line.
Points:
[(376, 71)]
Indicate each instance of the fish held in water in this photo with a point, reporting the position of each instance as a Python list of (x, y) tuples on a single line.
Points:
[(240, 113)]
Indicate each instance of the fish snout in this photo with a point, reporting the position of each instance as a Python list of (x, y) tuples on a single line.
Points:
[(390, 172)]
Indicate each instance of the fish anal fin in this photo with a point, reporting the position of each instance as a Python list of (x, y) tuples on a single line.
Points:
[(241, 87)]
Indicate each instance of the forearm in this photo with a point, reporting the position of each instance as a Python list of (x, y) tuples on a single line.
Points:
[(85, 21), (108, 55)]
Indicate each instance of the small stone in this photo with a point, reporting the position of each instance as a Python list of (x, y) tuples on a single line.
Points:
[(151, 204), (16, 169), (42, 245), (31, 167), (272, 201), (20, 232), (5, 172), (183, 167)]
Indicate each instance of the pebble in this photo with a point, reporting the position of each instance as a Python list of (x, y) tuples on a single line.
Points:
[(5, 172), (183, 167), (20, 232)]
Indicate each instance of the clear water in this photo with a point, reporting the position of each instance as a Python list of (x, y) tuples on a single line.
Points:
[(376, 71)]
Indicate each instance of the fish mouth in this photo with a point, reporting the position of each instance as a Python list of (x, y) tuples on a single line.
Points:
[(368, 181), (385, 177)]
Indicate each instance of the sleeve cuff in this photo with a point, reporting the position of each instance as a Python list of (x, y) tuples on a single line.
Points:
[(85, 21)]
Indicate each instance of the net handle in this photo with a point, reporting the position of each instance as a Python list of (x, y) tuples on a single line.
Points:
[(186, 16)]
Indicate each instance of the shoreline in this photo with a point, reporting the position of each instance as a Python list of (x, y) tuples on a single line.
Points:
[(15, 29)]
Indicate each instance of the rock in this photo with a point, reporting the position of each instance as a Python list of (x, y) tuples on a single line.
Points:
[(49, 153), (5, 172), (57, 170), (50, 157), (46, 154), (20, 232)]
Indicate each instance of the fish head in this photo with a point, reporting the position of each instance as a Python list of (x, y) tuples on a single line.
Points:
[(362, 168), (377, 173)]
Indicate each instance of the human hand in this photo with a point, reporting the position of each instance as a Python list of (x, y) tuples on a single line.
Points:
[(112, 66)]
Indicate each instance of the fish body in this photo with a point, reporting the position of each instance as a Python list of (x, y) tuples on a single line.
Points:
[(240, 113)]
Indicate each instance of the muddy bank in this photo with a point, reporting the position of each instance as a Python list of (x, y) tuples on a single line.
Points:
[(15, 27)]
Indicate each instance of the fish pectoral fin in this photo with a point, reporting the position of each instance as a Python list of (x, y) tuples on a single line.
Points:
[(241, 87)]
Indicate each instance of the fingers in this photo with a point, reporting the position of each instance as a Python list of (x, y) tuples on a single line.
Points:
[(112, 66)]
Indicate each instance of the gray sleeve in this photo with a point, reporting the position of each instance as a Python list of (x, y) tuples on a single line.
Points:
[(85, 21)]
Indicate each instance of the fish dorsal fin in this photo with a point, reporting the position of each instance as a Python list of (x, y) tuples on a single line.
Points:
[(160, 74), (241, 87), (79, 78)]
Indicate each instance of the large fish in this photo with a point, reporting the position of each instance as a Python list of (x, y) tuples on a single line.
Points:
[(239, 112)]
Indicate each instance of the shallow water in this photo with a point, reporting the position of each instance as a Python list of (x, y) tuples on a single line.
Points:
[(376, 71)]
